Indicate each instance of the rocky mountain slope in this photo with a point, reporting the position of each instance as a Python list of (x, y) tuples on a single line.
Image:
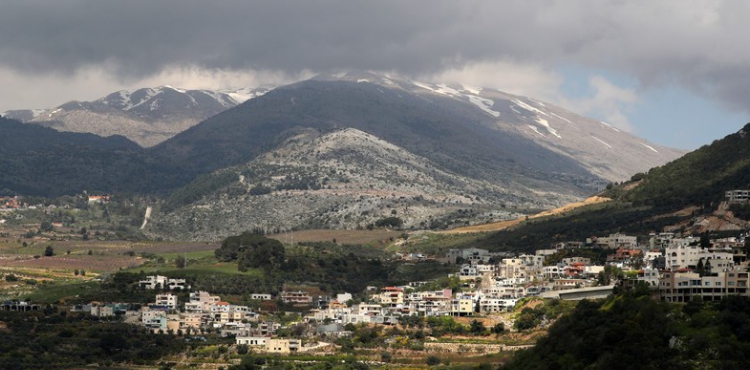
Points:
[(342, 179), (146, 116)]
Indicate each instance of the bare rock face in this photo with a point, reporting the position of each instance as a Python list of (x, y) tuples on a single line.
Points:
[(344, 179)]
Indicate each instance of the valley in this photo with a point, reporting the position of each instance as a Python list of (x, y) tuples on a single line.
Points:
[(355, 217)]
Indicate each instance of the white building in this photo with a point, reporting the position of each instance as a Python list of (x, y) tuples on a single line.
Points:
[(166, 300), (162, 282)]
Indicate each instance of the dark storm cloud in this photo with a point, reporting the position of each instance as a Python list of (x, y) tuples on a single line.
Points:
[(699, 44), (141, 37)]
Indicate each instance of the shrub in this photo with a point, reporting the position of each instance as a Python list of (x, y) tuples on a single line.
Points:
[(433, 361)]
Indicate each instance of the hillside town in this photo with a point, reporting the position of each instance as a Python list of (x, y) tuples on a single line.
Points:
[(676, 269)]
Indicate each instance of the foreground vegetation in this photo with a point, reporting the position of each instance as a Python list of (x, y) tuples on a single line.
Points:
[(51, 339), (633, 331)]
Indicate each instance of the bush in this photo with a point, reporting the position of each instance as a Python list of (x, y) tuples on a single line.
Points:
[(433, 361), (389, 222)]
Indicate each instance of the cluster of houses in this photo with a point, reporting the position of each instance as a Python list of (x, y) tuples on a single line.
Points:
[(687, 270), (11, 203)]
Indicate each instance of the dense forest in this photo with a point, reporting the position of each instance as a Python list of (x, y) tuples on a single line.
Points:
[(51, 339)]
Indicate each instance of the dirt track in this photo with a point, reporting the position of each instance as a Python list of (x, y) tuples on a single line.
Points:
[(502, 225)]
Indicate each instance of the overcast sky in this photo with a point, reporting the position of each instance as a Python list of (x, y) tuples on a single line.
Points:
[(674, 72)]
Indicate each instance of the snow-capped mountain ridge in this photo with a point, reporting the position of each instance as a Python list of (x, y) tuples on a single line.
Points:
[(147, 116), (604, 149)]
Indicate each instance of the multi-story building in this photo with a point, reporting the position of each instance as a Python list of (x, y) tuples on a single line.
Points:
[(390, 296), (737, 196), (487, 305), (297, 298), (684, 286), (166, 300), (687, 253), (162, 282), (201, 302)]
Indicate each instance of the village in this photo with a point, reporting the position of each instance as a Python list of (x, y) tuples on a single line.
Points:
[(675, 269), (484, 284)]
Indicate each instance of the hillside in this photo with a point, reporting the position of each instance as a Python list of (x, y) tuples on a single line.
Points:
[(343, 179), (633, 331), (35, 160), (342, 151), (683, 196), (450, 133)]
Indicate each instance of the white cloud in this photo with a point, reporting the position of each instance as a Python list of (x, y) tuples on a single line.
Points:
[(526, 79), (609, 102), (38, 91)]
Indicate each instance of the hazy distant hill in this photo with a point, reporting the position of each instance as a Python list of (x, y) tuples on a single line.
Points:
[(36, 160), (147, 116)]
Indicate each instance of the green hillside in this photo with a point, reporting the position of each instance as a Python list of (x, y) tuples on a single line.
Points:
[(36, 160), (698, 178), (634, 331), (647, 203)]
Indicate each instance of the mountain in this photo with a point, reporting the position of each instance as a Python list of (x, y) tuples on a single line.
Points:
[(494, 125), (146, 116), (345, 150), (342, 179), (37, 160), (602, 149), (483, 149)]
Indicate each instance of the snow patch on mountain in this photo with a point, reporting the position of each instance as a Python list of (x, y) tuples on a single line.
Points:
[(473, 97), (650, 147), (150, 93), (528, 107), (472, 89), (484, 104), (546, 125), (536, 130), (562, 118), (602, 141), (610, 126)]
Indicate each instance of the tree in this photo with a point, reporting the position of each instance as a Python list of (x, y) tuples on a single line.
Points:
[(49, 251), (499, 328), (433, 361), (477, 327), (76, 272), (83, 272), (705, 241), (251, 251), (180, 262), (700, 268), (46, 226)]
